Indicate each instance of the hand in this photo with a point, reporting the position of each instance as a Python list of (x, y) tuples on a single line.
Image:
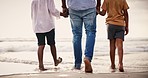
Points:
[(65, 12), (126, 30), (97, 10)]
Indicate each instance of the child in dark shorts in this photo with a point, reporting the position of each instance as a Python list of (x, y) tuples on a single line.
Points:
[(50, 36), (117, 21)]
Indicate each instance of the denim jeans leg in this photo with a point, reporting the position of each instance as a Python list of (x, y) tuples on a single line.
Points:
[(90, 28), (76, 24)]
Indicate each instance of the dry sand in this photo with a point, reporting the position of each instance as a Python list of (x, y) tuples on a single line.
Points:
[(79, 75)]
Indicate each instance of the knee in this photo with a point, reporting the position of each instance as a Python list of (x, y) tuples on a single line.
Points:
[(90, 31)]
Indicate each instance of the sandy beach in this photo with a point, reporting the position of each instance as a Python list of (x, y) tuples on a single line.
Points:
[(78, 75), (20, 66), (18, 46)]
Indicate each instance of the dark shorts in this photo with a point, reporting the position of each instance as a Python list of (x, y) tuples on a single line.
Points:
[(115, 31), (50, 36)]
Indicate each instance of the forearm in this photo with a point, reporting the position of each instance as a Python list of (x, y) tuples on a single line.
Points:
[(126, 18), (126, 22), (98, 6), (98, 3), (64, 4), (65, 12)]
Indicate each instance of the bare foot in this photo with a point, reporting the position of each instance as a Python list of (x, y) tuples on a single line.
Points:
[(88, 67), (121, 68), (113, 68), (41, 68), (59, 60)]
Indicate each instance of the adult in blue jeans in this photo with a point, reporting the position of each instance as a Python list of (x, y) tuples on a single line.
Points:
[(82, 12)]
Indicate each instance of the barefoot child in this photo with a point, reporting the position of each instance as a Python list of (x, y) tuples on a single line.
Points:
[(117, 22), (42, 12)]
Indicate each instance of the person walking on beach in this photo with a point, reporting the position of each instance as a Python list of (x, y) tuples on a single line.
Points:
[(42, 12), (117, 23), (82, 12)]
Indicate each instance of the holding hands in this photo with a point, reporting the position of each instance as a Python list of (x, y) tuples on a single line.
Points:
[(65, 12)]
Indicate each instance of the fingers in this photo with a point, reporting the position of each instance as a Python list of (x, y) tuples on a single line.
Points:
[(65, 12)]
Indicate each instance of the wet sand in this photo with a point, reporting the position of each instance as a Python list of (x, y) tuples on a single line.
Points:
[(20, 63)]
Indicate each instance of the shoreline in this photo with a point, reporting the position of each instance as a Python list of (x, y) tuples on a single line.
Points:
[(17, 63)]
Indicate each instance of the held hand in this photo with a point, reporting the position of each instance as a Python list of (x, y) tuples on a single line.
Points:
[(97, 10), (126, 30), (65, 12), (64, 15)]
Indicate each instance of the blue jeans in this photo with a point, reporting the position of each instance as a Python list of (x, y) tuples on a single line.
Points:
[(77, 18)]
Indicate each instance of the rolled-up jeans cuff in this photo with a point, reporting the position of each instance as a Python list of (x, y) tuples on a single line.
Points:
[(77, 66), (88, 58)]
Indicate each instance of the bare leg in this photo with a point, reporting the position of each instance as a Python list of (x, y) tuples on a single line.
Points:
[(112, 53), (40, 57), (120, 53), (54, 54)]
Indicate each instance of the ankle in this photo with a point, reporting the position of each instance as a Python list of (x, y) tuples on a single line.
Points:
[(41, 66), (120, 64), (113, 66)]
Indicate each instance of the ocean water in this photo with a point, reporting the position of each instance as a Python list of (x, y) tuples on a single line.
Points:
[(65, 45)]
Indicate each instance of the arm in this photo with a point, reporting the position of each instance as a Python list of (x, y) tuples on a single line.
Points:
[(64, 7), (98, 6), (103, 12), (126, 21), (64, 4)]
